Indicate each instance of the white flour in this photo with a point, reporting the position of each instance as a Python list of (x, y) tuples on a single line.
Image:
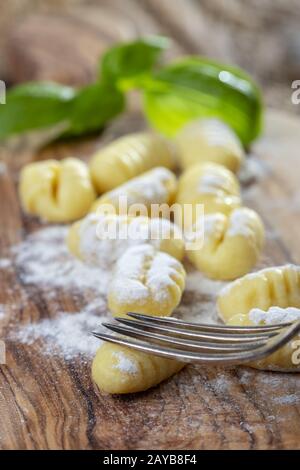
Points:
[(145, 189), (212, 183), (213, 226), (142, 272), (5, 263), (104, 239), (68, 334), (274, 315), (253, 170), (43, 260), (239, 224), (44, 263), (124, 364)]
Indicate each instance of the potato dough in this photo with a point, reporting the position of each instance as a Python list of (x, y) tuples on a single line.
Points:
[(231, 245), (128, 157), (269, 296), (157, 186), (57, 191), (92, 239), (286, 359), (211, 185), (146, 281), (278, 286), (117, 369), (209, 140)]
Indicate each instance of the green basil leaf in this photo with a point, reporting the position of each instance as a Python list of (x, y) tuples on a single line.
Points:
[(34, 105), (125, 61), (93, 107), (197, 87), (42, 105)]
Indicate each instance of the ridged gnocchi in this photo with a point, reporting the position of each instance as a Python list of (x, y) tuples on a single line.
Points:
[(228, 246), (286, 359), (117, 369), (269, 287), (209, 184), (128, 157), (157, 186), (57, 191), (146, 281), (100, 239), (209, 140), (269, 296)]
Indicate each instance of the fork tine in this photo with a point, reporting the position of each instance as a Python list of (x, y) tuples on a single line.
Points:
[(206, 327), (225, 337), (186, 343), (204, 358)]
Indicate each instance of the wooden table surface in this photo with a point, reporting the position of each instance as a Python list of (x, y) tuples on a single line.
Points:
[(48, 403)]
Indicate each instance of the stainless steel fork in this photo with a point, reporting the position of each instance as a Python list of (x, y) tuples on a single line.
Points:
[(200, 343)]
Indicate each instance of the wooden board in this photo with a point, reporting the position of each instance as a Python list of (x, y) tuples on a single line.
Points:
[(47, 403)]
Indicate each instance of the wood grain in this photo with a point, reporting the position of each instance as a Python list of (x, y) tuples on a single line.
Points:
[(47, 403)]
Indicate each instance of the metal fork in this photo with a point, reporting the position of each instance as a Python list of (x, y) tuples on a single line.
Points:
[(200, 343)]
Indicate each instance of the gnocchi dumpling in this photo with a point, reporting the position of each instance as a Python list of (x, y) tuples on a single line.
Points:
[(209, 184), (146, 281), (209, 140), (57, 191), (117, 369), (227, 246), (101, 239), (287, 358), (157, 186), (128, 157), (269, 287)]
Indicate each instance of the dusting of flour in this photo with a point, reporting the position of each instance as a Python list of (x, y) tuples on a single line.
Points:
[(124, 364), (142, 271), (145, 189), (67, 335), (44, 263), (274, 315), (43, 260)]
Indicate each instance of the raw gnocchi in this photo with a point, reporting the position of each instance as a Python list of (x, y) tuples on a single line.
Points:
[(157, 186), (146, 281), (286, 359), (128, 157), (277, 286), (269, 296), (117, 369), (209, 140), (57, 191), (228, 246), (101, 239), (209, 184)]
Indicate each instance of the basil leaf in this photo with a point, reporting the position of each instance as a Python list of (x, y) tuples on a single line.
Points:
[(126, 61), (43, 104), (93, 107), (197, 87), (34, 105)]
